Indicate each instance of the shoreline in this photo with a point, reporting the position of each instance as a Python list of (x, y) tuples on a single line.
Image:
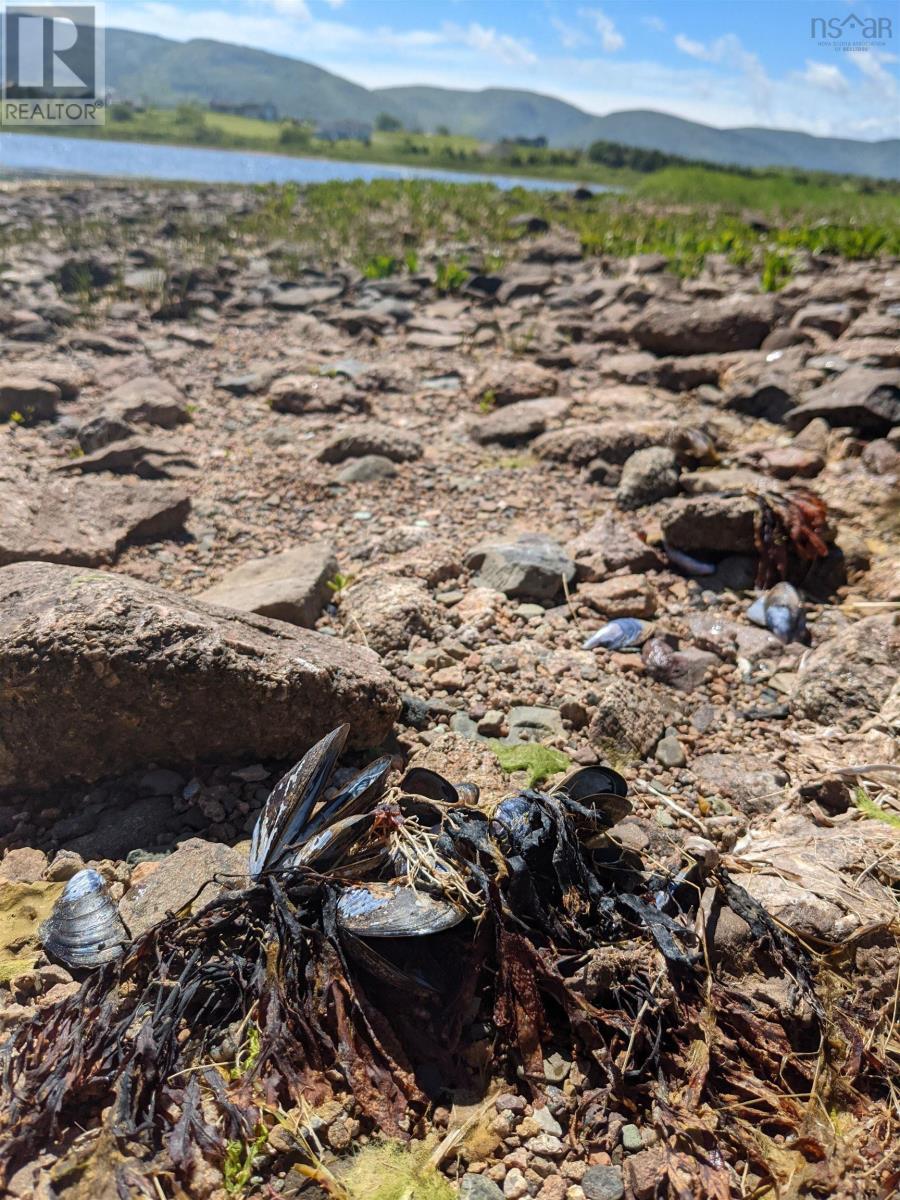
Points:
[(405, 170)]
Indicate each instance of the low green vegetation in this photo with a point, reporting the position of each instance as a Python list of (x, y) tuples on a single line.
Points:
[(539, 761), (869, 808), (237, 1166), (387, 225), (767, 222), (339, 584)]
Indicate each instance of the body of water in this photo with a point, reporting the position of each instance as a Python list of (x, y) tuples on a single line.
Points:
[(95, 156)]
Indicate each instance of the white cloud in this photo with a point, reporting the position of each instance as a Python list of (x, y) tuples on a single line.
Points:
[(288, 8), (824, 76), (657, 24), (686, 46), (610, 38), (335, 3), (727, 51), (502, 46), (569, 36), (871, 64)]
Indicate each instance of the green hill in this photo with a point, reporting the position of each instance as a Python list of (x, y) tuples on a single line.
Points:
[(163, 72)]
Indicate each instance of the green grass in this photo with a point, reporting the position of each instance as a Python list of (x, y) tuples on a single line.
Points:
[(780, 193)]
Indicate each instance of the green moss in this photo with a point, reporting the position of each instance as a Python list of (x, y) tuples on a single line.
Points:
[(539, 761)]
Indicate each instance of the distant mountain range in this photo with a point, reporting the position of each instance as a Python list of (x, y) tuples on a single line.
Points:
[(160, 71)]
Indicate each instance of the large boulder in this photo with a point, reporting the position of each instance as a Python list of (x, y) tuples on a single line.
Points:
[(292, 586), (707, 327), (101, 673), (85, 522)]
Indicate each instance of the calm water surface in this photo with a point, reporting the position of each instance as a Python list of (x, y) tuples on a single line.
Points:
[(89, 156)]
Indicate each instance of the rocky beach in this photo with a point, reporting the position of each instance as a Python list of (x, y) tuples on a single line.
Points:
[(252, 491)]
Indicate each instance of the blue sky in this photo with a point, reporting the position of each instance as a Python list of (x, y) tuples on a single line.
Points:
[(745, 62)]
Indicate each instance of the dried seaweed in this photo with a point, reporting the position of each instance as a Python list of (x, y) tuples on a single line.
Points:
[(568, 944), (793, 520)]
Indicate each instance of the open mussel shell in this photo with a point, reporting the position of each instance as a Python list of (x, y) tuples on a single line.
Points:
[(329, 845), (408, 978), (419, 781), (394, 909), (356, 796), (84, 929), (595, 793), (292, 799), (592, 781)]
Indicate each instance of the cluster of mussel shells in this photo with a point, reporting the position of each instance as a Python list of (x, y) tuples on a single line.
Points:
[(344, 835), (780, 610)]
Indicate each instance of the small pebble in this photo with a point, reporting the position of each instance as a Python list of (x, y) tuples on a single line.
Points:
[(515, 1185), (670, 752), (603, 1183), (631, 1140)]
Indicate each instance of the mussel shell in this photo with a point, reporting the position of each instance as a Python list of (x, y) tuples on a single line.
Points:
[(469, 793), (686, 562), (358, 793), (780, 610), (618, 634), (592, 781), (516, 815), (291, 801), (84, 929), (419, 781), (394, 909), (329, 844), (603, 808), (408, 979)]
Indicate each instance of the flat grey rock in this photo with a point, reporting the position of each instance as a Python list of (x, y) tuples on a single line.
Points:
[(291, 586)]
